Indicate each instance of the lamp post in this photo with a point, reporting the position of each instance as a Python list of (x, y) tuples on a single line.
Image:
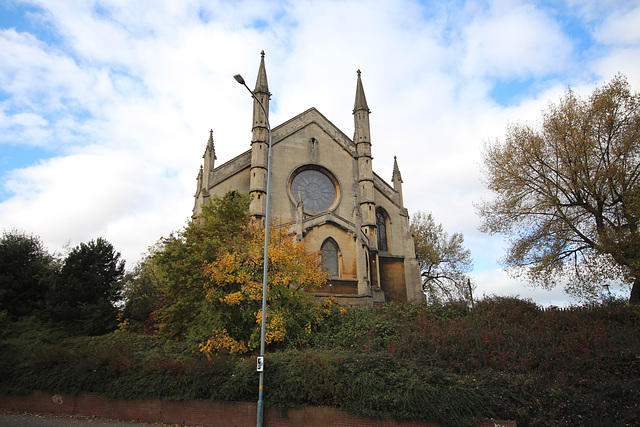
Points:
[(260, 366)]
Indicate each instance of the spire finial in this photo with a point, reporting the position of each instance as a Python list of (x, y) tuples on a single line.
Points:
[(210, 147), (396, 170), (359, 72), (261, 82), (361, 100)]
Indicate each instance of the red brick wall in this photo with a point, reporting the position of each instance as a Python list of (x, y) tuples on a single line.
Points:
[(200, 412)]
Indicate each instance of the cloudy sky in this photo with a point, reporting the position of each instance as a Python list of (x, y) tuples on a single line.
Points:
[(106, 106)]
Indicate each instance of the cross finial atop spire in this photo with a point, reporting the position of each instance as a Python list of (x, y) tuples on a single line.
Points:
[(210, 147), (261, 83), (361, 100), (396, 171)]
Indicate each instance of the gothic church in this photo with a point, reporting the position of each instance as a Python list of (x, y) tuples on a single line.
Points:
[(324, 188)]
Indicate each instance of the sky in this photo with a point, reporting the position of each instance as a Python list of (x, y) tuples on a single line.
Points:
[(106, 106)]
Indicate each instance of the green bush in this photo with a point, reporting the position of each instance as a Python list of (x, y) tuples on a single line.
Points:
[(507, 359)]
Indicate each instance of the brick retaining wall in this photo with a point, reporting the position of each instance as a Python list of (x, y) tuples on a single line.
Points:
[(200, 412)]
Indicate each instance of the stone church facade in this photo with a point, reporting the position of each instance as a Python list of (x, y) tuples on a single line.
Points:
[(324, 189)]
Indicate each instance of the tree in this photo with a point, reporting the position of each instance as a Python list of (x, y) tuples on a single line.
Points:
[(87, 288), (180, 259), (211, 282), (567, 194), (141, 295), (444, 262), (26, 272)]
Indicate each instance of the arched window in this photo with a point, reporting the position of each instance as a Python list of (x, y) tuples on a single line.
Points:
[(381, 222), (330, 257)]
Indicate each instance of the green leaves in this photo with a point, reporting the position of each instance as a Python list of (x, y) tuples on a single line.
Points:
[(210, 279), (87, 287), (26, 273)]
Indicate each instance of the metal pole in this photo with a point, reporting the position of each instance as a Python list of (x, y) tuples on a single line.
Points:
[(240, 80)]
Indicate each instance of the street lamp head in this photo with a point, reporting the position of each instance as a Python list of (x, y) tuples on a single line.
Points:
[(239, 79)]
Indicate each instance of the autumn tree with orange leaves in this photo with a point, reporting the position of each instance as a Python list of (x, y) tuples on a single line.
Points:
[(211, 282)]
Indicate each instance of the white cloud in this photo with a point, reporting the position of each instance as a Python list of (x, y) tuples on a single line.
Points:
[(511, 39), (621, 27), (128, 92), (497, 283), (80, 197)]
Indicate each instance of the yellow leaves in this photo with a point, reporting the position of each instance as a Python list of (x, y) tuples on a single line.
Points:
[(252, 290), (227, 267), (233, 287), (221, 341), (276, 328), (123, 325), (292, 266), (234, 298)]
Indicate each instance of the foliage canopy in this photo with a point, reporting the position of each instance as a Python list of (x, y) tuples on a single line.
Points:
[(568, 192), (210, 282), (87, 288), (26, 272)]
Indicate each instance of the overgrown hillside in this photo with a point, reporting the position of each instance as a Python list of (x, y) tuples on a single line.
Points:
[(506, 359)]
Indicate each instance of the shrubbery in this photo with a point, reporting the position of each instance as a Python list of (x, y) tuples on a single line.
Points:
[(506, 359)]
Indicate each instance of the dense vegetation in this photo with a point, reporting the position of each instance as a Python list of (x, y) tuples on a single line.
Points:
[(183, 324), (78, 291), (507, 358)]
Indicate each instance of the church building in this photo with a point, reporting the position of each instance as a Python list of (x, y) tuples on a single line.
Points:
[(324, 189)]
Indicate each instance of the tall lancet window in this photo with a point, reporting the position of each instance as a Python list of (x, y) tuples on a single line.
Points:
[(381, 222), (330, 257)]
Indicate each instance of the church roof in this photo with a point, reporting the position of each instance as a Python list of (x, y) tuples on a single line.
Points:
[(304, 119)]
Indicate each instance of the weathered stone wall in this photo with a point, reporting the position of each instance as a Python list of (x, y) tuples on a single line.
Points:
[(392, 279)]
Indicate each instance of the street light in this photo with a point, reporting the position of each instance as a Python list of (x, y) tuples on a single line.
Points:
[(260, 367)]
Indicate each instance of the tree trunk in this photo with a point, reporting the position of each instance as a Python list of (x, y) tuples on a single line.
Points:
[(634, 298)]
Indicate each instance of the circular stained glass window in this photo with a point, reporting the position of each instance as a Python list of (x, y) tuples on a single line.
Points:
[(316, 190)]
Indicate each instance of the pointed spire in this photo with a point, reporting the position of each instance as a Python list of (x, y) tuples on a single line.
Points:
[(361, 100), (396, 171), (362, 133), (397, 181), (210, 145), (261, 82)]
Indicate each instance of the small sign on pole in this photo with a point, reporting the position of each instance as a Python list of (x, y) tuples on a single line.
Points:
[(260, 364)]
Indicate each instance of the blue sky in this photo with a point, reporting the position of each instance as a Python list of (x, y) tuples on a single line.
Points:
[(106, 106)]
